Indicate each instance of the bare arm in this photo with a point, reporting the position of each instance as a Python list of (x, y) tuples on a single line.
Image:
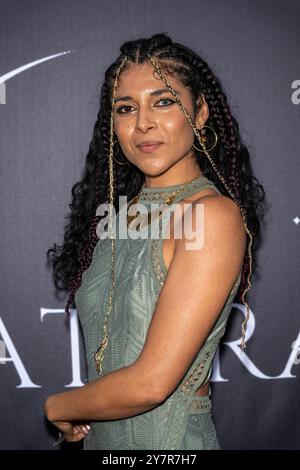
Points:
[(195, 290), (122, 393)]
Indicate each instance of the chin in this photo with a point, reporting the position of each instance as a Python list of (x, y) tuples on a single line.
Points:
[(153, 169)]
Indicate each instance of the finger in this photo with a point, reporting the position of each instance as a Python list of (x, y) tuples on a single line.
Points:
[(75, 437), (85, 424), (85, 429), (79, 432), (81, 428), (77, 429)]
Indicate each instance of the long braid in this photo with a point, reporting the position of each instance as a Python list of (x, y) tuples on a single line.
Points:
[(99, 354), (232, 193), (227, 129), (221, 116)]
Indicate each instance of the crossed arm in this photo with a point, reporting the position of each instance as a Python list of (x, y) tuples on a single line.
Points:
[(195, 290)]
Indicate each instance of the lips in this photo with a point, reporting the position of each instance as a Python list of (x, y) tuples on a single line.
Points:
[(149, 147), (149, 143)]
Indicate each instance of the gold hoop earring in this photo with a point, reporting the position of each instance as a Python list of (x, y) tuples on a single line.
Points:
[(204, 139), (119, 163)]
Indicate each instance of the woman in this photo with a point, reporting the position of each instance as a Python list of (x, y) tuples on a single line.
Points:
[(152, 309)]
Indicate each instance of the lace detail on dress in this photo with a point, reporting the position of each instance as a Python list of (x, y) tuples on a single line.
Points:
[(157, 197), (211, 440), (200, 404), (155, 259), (195, 379), (236, 284)]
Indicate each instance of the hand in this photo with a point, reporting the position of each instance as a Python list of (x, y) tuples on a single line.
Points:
[(73, 432)]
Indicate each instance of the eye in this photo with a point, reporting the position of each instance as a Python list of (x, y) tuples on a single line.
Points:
[(167, 99), (120, 108)]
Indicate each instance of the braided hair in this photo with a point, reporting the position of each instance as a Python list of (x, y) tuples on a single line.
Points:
[(230, 156)]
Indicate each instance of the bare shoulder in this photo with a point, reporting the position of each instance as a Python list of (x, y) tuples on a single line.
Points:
[(216, 205), (221, 209), (218, 219)]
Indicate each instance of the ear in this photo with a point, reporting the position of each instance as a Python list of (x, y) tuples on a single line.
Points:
[(202, 112)]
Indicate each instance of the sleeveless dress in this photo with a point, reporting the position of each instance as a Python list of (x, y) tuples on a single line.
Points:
[(183, 421)]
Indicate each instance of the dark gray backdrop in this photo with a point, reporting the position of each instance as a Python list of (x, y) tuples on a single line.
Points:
[(48, 110)]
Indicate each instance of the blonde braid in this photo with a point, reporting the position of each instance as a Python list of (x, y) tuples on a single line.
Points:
[(243, 212), (99, 355)]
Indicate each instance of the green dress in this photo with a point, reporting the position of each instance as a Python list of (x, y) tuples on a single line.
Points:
[(183, 421)]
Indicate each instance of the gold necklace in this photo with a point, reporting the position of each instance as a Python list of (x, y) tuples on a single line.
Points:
[(166, 200)]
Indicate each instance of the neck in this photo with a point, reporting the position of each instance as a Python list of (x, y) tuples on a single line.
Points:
[(174, 188), (161, 183)]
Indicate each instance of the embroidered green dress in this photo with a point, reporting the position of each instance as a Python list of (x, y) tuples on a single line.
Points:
[(183, 421)]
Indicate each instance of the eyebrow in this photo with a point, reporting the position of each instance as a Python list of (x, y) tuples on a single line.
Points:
[(153, 93)]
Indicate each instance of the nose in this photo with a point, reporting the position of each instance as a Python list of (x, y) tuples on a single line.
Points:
[(145, 119)]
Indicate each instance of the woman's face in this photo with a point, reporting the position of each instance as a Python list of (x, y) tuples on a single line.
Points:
[(145, 113)]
